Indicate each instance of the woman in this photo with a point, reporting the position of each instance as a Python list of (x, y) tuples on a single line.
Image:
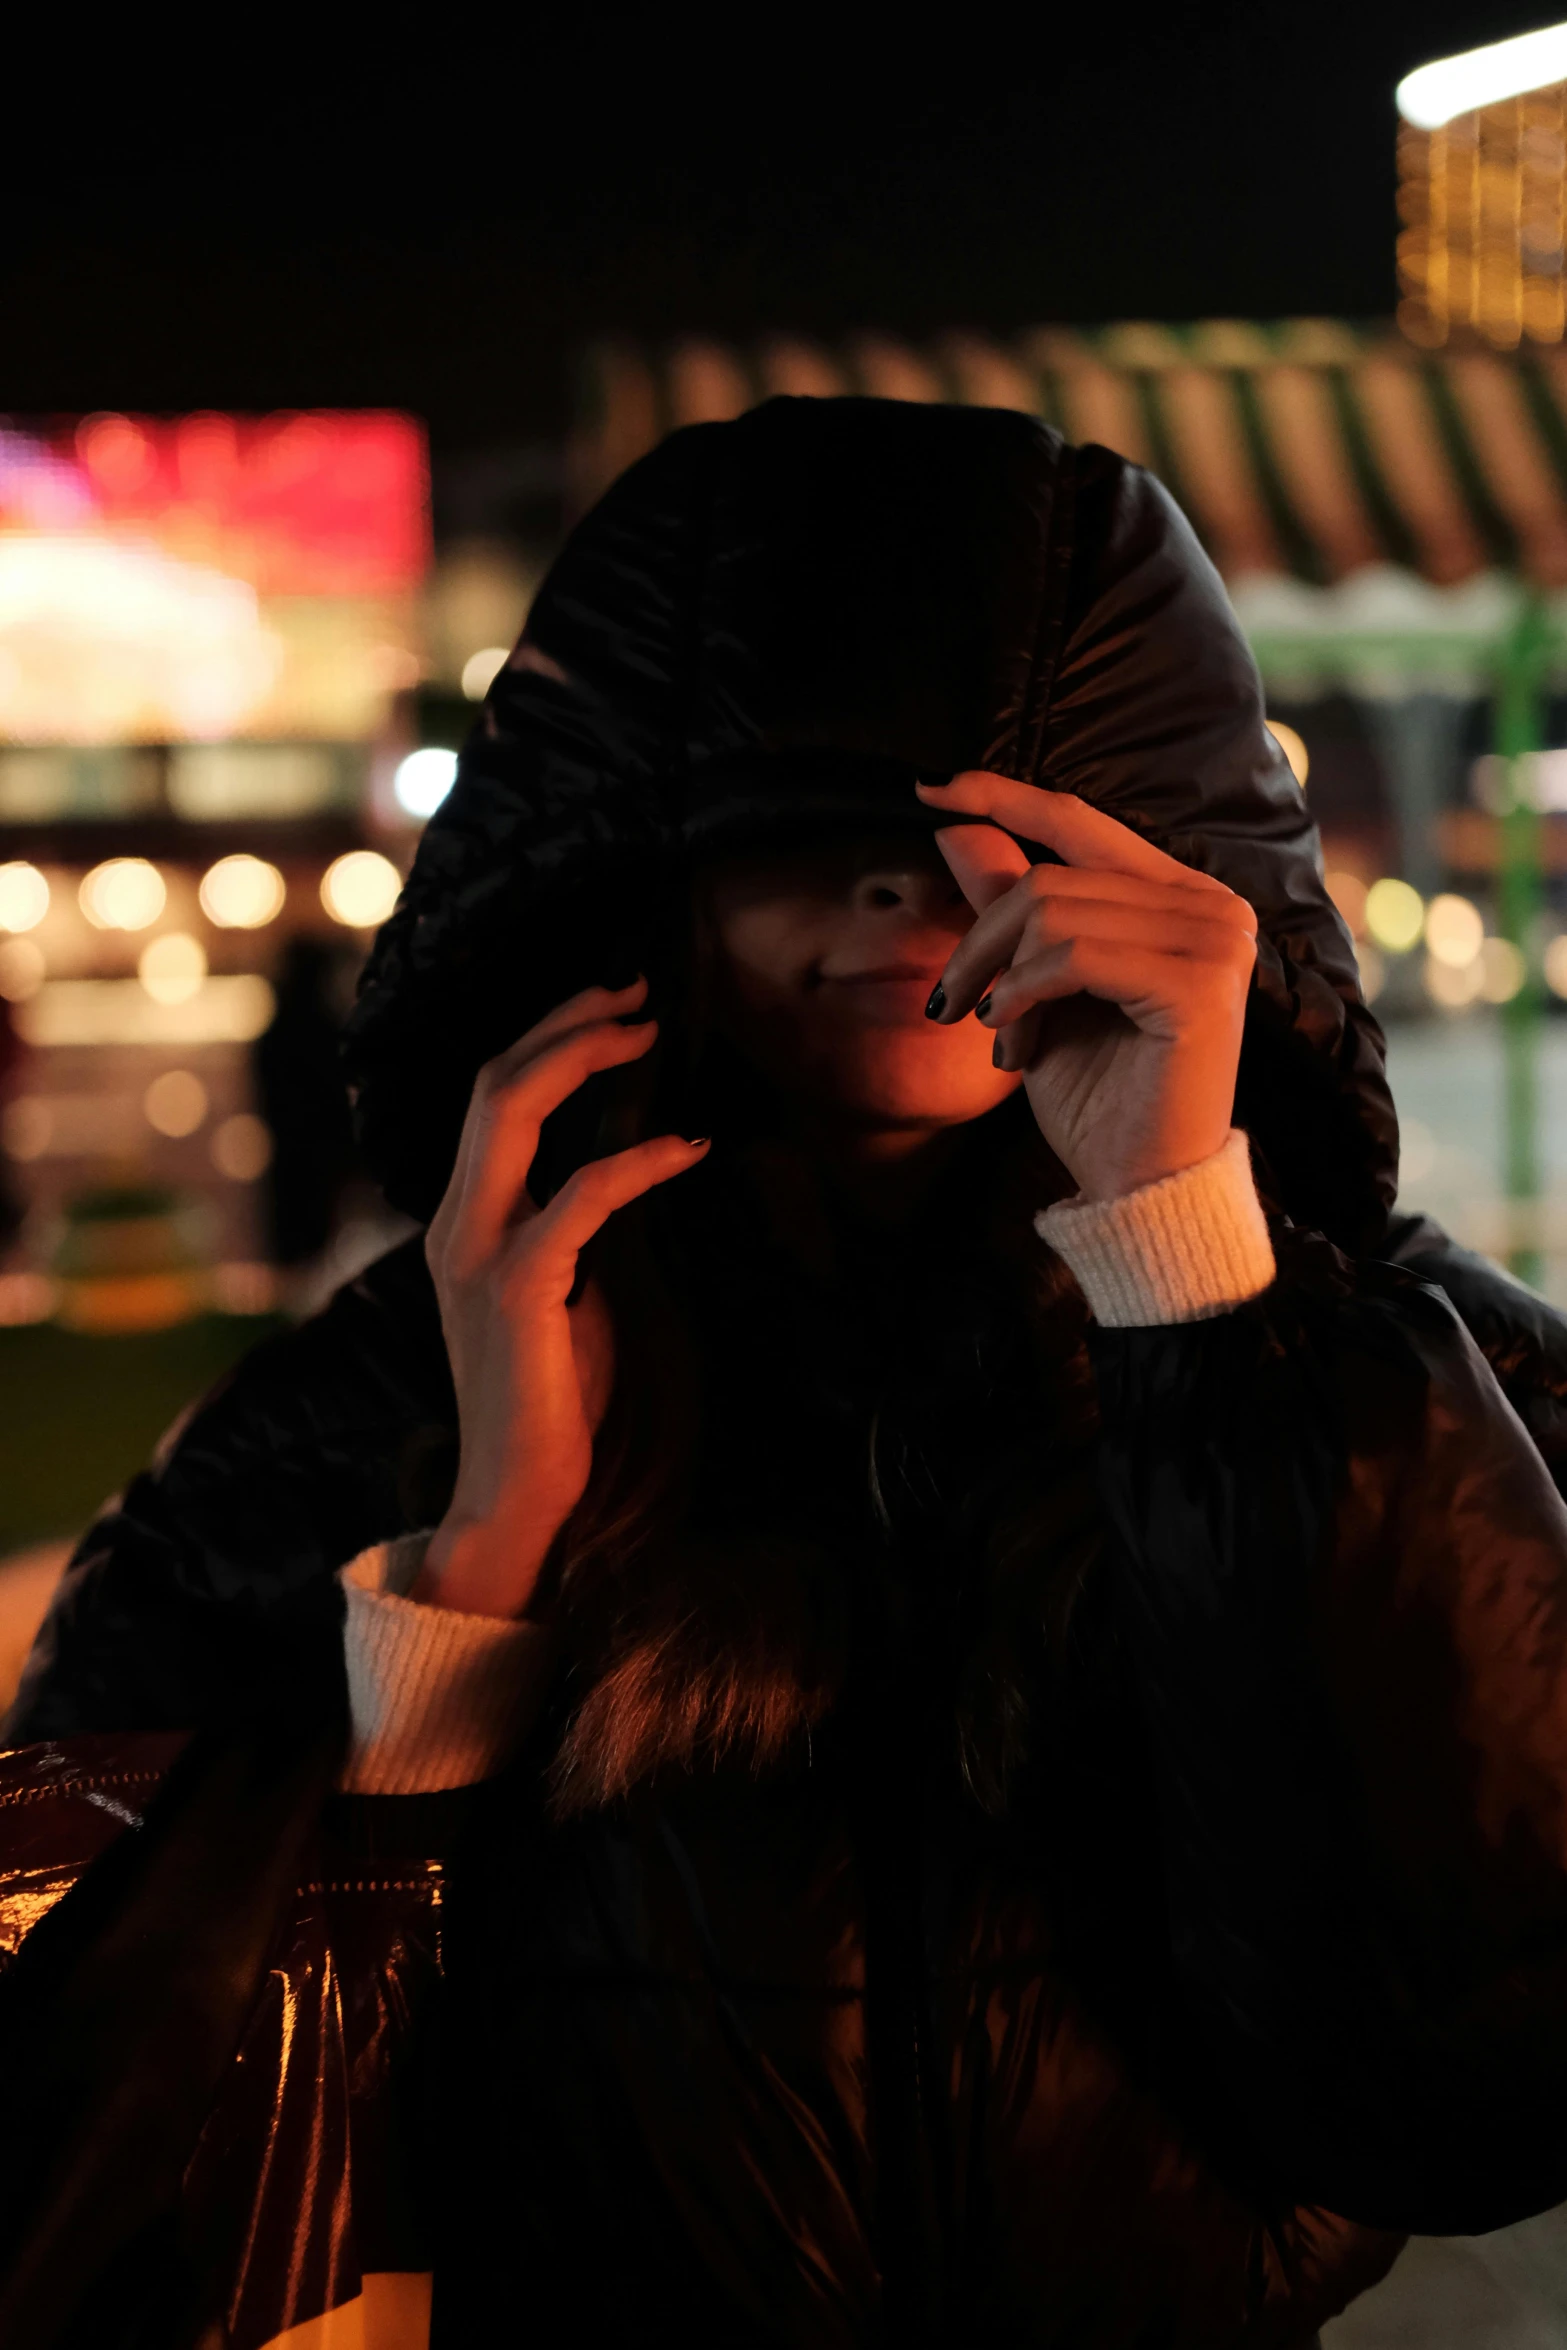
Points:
[(954, 1684)]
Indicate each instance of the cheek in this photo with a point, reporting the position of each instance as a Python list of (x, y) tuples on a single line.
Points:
[(762, 960)]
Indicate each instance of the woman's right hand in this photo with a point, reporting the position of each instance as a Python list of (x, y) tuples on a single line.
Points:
[(533, 1373)]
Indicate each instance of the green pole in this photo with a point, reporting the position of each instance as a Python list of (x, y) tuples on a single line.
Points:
[(1520, 729)]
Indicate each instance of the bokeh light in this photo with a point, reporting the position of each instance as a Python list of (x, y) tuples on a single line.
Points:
[(1373, 970), (1455, 932), (1395, 914), (172, 968), (1503, 970), (1292, 745), (23, 970), (175, 1103), (1556, 964), (480, 671), (360, 889), (242, 893), (242, 1147), (27, 1126), (124, 893), (423, 780), (1453, 985), (24, 896), (1348, 893), (1432, 94)]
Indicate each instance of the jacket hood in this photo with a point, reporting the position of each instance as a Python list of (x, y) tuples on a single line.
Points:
[(785, 620)]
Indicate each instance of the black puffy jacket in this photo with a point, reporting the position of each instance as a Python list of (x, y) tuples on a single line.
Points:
[(1264, 1962)]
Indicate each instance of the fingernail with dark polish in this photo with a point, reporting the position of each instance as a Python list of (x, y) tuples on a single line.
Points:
[(982, 1007), (937, 1003), (997, 1060)]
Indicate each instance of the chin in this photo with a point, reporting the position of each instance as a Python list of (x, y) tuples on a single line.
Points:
[(941, 1077)]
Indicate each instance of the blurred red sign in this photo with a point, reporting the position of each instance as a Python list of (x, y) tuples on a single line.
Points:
[(209, 577), (315, 503)]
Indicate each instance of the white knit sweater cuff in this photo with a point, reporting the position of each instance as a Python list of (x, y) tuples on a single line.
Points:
[(1184, 1249), (437, 1699)]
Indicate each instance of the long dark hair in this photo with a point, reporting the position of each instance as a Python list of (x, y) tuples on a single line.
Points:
[(776, 1434)]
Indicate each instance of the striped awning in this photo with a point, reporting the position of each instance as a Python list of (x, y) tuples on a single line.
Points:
[(1308, 448)]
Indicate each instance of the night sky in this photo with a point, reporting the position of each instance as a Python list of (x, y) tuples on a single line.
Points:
[(270, 209)]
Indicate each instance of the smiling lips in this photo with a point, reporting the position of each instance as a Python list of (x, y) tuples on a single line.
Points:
[(886, 996)]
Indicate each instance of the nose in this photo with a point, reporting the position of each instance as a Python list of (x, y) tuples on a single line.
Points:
[(910, 886)]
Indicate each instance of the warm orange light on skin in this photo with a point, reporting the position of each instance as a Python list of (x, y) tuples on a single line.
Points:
[(822, 960), (1115, 977), (818, 965)]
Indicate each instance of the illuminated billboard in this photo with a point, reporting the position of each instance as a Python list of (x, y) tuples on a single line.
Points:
[(208, 579)]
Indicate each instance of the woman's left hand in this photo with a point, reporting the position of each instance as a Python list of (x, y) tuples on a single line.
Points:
[(1115, 981)]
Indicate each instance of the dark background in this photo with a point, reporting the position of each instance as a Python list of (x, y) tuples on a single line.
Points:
[(434, 207)]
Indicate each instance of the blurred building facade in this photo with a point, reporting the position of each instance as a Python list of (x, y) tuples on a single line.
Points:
[(1482, 198), (221, 638)]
